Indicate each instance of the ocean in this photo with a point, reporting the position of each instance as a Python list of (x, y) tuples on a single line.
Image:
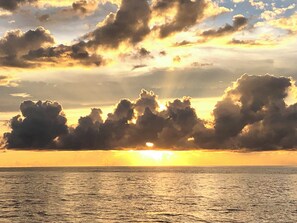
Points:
[(148, 194)]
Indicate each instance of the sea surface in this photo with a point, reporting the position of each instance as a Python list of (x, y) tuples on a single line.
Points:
[(148, 194)]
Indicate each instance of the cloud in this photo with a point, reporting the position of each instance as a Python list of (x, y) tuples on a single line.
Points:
[(12, 5), (239, 22), (21, 95), (7, 81), (44, 18), (244, 42), (85, 7), (129, 24), (287, 23), (138, 66), (138, 54), (258, 4), (146, 100), (252, 116), (62, 55), (93, 133), (16, 43), (187, 14), (39, 125)]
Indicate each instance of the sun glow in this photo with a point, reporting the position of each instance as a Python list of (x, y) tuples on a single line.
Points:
[(156, 155), (149, 144)]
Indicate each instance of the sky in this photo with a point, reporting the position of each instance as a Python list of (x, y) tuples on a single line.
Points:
[(193, 82)]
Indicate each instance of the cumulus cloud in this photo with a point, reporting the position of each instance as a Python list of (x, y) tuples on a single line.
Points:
[(146, 100), (129, 24), (252, 116), (187, 14), (286, 23), (39, 125), (12, 5), (239, 22), (16, 43), (85, 7)]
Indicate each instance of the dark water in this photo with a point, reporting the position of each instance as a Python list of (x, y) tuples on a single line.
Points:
[(192, 194)]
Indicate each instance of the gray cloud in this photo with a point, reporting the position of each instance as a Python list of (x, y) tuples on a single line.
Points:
[(188, 12), (146, 100), (244, 42), (239, 22), (12, 5), (85, 7), (65, 55), (253, 115), (129, 24), (38, 126), (138, 66), (44, 17), (16, 43)]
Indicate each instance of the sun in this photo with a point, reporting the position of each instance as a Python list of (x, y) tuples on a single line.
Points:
[(149, 144)]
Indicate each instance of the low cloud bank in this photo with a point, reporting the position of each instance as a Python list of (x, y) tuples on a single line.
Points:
[(251, 116)]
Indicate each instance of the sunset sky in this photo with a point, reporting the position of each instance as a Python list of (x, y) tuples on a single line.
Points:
[(193, 82)]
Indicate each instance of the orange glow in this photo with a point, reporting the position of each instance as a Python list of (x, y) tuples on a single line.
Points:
[(143, 158)]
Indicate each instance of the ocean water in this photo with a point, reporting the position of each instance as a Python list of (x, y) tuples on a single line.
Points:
[(155, 194)]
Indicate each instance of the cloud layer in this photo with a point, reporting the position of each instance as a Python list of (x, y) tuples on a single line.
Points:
[(252, 116)]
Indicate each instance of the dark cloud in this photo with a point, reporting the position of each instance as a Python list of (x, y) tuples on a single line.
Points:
[(146, 100), (43, 18), (252, 116), (181, 120), (187, 14), (144, 52), (184, 43), (38, 126), (138, 66), (244, 42), (12, 5), (16, 43), (138, 54), (85, 7), (65, 55), (239, 22), (129, 24), (80, 52), (162, 53), (93, 133)]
